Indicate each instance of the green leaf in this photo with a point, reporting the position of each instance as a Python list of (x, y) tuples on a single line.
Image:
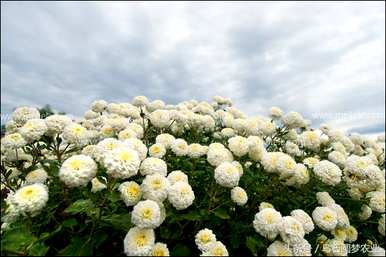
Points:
[(189, 216), (80, 206), (17, 240), (38, 249), (181, 250), (222, 214), (99, 237), (119, 221), (253, 244), (77, 247), (69, 223)]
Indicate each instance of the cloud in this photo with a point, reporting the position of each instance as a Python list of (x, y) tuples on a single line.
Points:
[(320, 58)]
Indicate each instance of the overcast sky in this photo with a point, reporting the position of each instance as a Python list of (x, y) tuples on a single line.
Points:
[(325, 60)]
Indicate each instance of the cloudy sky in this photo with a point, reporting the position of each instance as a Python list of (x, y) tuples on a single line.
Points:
[(325, 60)]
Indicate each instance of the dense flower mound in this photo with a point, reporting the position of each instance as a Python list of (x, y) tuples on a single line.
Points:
[(197, 178)]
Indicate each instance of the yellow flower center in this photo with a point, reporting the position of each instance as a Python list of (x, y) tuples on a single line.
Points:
[(218, 251), (125, 156), (156, 184), (328, 217), (289, 164), (141, 240), (77, 130), (159, 252), (205, 238), (295, 227), (360, 164), (269, 218), (132, 190), (14, 136), (75, 164), (156, 149), (28, 193), (146, 213)]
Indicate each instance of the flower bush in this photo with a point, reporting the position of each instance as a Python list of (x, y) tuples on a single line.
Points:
[(196, 178)]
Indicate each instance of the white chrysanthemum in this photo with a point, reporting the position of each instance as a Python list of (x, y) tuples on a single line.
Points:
[(138, 129), (376, 251), (377, 201), (176, 176), (160, 249), (180, 147), (339, 233), (304, 218), (146, 214), (324, 198), (29, 199), (97, 185), (365, 212), (137, 145), (228, 132), (99, 105), (165, 139), (343, 220), (239, 196), (153, 165), (122, 162), (22, 114), (267, 223), (126, 134), (328, 172), (292, 148), (227, 175), (130, 192), (218, 155), (381, 225), (338, 158), (256, 148), (216, 249), (76, 134), (279, 248), (291, 230), (33, 129), (310, 140), (276, 112), (311, 162), (78, 170), (12, 141), (238, 145), (285, 165), (204, 238), (293, 120), (325, 218), (351, 234), (265, 205), (270, 160), (154, 187), (181, 195), (303, 248), (106, 131), (334, 247), (197, 150), (139, 242), (157, 150), (56, 123), (356, 164), (90, 115), (140, 101), (160, 118), (299, 177), (36, 176)]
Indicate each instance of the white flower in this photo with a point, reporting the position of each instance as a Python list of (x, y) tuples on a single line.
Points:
[(97, 185), (130, 192), (285, 165), (292, 148), (76, 134), (291, 230), (36, 176), (56, 123), (239, 196), (325, 218), (377, 201), (22, 114), (33, 129), (181, 195), (238, 145), (126, 134), (334, 247), (381, 225), (122, 162), (310, 140), (228, 132), (12, 141), (279, 248), (267, 223), (180, 147), (146, 214), (311, 162), (324, 198), (196, 150), (377, 251), (140, 101), (138, 129), (78, 170), (365, 212), (302, 248), (227, 175), (328, 172), (29, 199), (356, 164), (216, 249), (176, 176), (139, 242), (157, 150), (153, 165), (343, 220), (293, 120), (154, 187), (276, 112), (160, 249), (160, 118), (165, 139), (219, 154), (338, 158), (351, 234), (204, 238), (99, 105), (305, 219), (270, 160), (137, 145)]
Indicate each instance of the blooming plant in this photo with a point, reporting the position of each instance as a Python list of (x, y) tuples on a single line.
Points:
[(196, 178)]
